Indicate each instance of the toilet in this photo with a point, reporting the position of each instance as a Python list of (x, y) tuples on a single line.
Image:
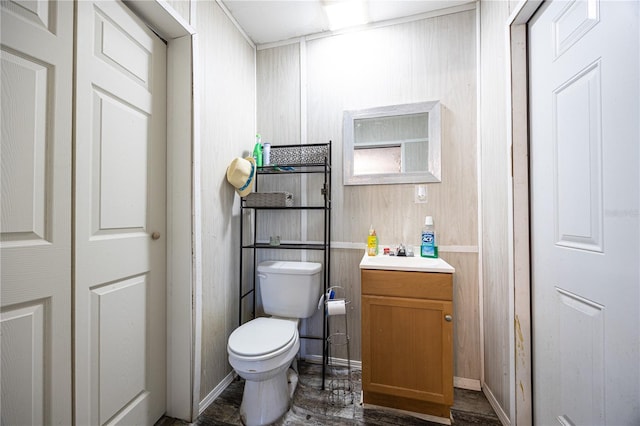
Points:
[(262, 350)]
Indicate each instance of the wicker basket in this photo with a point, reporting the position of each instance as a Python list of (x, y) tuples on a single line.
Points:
[(269, 199), (299, 154)]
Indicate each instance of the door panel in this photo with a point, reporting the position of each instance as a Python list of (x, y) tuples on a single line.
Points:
[(24, 102), (120, 202), (581, 361), (23, 358), (39, 13), (118, 322), (120, 189), (36, 56), (577, 171), (585, 199)]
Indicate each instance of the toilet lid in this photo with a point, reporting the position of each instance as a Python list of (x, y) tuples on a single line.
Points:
[(262, 336)]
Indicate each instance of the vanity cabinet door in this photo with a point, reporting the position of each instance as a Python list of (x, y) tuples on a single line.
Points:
[(407, 348)]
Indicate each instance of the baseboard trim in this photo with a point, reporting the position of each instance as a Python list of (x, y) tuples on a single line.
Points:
[(469, 384), (216, 392), (502, 416), (317, 359)]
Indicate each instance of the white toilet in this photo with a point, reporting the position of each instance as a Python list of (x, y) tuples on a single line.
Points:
[(262, 350)]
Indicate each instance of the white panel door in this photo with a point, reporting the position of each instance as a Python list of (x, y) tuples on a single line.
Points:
[(120, 242), (36, 54), (585, 199)]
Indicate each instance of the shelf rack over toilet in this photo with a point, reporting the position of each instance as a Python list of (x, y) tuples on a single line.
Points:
[(289, 160)]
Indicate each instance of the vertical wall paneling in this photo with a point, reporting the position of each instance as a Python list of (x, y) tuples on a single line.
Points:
[(466, 314), (303, 140), (392, 65), (197, 225), (522, 381), (226, 76), (479, 188), (428, 59), (346, 274), (182, 8), (278, 121), (504, 255), (507, 154), (494, 180), (180, 253)]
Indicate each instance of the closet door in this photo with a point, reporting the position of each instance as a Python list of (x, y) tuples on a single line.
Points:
[(584, 60), (36, 54), (120, 208)]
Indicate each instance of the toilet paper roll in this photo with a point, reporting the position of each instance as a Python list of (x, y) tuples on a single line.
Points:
[(336, 307)]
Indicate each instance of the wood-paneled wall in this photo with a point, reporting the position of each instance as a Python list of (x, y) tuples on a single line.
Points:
[(227, 103), (182, 7), (429, 59), (495, 181)]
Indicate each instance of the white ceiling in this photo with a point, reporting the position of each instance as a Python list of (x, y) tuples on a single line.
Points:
[(267, 21)]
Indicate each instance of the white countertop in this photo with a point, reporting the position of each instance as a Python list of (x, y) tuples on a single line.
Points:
[(401, 263)]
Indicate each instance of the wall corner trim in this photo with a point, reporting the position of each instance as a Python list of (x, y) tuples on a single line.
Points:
[(227, 12), (504, 419), (216, 392)]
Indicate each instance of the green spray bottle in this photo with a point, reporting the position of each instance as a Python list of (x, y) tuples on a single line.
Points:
[(257, 150)]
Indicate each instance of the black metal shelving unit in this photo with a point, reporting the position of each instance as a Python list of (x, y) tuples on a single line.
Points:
[(291, 160)]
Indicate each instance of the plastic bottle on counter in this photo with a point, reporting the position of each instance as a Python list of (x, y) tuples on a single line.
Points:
[(257, 150), (266, 154), (428, 247), (372, 242)]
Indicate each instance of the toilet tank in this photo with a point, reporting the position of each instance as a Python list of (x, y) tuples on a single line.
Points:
[(290, 289)]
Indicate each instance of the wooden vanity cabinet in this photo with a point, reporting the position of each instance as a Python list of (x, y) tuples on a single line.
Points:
[(407, 340)]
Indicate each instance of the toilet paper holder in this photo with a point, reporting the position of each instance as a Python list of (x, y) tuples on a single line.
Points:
[(335, 305), (340, 384)]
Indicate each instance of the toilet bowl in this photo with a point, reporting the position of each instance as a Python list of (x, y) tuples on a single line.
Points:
[(262, 350)]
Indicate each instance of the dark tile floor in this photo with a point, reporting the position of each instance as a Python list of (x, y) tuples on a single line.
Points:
[(312, 406)]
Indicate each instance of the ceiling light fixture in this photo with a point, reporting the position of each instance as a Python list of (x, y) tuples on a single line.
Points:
[(345, 13)]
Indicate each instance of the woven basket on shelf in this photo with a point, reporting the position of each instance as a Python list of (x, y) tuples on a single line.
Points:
[(269, 199), (300, 154)]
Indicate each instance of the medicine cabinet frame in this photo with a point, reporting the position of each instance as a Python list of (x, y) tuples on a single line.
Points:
[(432, 172)]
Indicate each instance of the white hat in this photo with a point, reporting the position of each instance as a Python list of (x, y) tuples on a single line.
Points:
[(240, 174)]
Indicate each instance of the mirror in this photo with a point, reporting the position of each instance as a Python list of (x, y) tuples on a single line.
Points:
[(392, 144)]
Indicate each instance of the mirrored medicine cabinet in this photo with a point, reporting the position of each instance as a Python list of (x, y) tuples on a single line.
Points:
[(392, 144)]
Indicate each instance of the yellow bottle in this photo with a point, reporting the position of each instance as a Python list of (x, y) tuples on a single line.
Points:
[(372, 242)]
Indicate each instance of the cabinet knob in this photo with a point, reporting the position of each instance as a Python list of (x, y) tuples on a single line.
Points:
[(448, 318), (155, 235)]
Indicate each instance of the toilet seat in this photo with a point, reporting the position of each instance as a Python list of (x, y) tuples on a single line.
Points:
[(262, 338)]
